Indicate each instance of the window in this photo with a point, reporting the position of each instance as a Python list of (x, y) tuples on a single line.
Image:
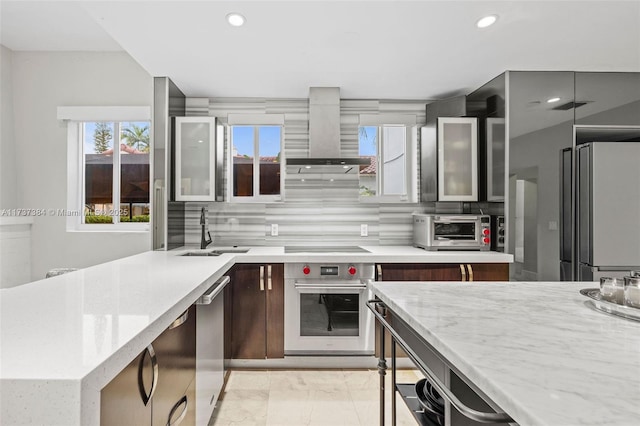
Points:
[(389, 174), (256, 163), (108, 175)]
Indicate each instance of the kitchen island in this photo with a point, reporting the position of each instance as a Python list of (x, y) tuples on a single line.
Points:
[(536, 350), (64, 338)]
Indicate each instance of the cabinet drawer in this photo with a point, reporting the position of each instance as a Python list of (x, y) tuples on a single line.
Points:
[(176, 354)]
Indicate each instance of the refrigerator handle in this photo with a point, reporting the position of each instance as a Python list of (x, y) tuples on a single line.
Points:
[(583, 193)]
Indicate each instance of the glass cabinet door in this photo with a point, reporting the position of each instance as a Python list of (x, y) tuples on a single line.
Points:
[(195, 159), (457, 159), (495, 159)]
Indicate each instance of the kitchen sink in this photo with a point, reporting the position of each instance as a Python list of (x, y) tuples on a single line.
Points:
[(201, 253), (230, 250), (216, 252)]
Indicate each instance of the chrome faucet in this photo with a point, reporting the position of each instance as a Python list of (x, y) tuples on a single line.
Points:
[(203, 241)]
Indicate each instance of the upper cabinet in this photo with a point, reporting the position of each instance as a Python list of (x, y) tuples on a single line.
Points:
[(488, 104), (449, 152), (195, 158), (607, 98), (496, 144), (457, 158)]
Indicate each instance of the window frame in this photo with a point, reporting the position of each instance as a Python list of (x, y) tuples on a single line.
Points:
[(75, 117), (255, 121), (408, 122)]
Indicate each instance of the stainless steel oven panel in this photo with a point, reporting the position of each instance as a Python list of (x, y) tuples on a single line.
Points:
[(365, 271), (322, 279), (427, 235), (296, 344)]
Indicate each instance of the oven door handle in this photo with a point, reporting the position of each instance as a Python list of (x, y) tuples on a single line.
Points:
[(329, 287), (455, 219)]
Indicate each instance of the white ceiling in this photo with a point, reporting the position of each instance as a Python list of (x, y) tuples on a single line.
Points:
[(370, 49)]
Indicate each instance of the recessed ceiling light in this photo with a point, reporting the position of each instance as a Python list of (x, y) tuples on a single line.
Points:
[(487, 21), (552, 100), (307, 167), (235, 19)]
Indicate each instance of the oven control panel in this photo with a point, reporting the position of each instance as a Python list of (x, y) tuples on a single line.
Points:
[(329, 270), (351, 271)]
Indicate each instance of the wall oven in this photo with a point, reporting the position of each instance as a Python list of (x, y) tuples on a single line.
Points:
[(452, 232), (325, 311)]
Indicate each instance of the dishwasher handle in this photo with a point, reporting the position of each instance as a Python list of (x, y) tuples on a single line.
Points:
[(213, 291)]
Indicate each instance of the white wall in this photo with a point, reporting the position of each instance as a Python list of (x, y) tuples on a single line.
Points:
[(8, 191), (42, 81)]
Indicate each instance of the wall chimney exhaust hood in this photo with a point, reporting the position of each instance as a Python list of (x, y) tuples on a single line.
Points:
[(324, 134)]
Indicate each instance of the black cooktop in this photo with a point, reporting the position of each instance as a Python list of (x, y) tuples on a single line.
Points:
[(325, 249)]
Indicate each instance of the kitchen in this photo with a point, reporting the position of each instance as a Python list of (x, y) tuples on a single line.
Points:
[(338, 221)]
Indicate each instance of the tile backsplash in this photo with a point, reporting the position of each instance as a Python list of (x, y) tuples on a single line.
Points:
[(326, 213), (301, 223)]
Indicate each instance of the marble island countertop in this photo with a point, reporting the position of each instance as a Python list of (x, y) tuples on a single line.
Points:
[(536, 349), (64, 338)]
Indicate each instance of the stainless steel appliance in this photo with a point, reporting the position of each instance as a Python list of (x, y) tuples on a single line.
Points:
[(607, 211), (209, 349), (325, 311), (497, 233), (452, 232)]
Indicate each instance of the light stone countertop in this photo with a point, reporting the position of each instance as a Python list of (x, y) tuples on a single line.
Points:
[(535, 348), (64, 338)]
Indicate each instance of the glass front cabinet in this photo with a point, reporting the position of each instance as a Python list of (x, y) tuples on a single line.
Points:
[(496, 144), (457, 158), (195, 144)]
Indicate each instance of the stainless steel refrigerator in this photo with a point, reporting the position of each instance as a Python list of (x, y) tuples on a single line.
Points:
[(607, 211)]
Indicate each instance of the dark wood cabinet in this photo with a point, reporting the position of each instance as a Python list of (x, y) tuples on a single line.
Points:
[(436, 272), (489, 271), (154, 389), (418, 272), (122, 401), (255, 312), (442, 272), (176, 353)]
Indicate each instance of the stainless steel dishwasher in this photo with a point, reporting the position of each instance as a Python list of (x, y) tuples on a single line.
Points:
[(209, 349)]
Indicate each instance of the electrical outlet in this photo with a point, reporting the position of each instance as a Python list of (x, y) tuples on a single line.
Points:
[(364, 230), (274, 229)]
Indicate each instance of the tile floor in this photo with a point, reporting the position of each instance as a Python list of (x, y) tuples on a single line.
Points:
[(307, 397)]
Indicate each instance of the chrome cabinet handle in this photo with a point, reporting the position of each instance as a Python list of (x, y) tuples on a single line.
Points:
[(445, 392), (262, 278), (183, 401), (181, 320), (154, 378), (379, 268), (470, 269), (269, 283), (463, 272)]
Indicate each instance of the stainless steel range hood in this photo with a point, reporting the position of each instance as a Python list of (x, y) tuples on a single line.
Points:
[(324, 134)]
